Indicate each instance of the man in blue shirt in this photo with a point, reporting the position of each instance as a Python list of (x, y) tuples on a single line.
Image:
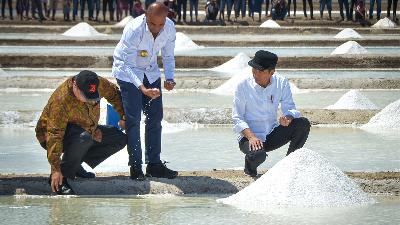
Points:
[(135, 67), (254, 114)]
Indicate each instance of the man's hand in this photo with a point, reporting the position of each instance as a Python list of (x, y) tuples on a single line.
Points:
[(152, 93), (255, 144), (285, 120), (169, 84), (56, 179), (98, 135), (121, 124)]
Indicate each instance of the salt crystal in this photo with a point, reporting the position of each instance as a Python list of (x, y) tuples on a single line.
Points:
[(82, 30), (302, 179), (387, 119), (348, 33), (384, 23), (270, 24), (349, 48), (184, 43), (239, 62), (353, 99)]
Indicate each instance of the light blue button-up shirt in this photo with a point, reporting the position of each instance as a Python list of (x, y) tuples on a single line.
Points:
[(136, 52), (256, 107)]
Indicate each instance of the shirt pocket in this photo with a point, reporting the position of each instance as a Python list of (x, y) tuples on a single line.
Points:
[(142, 58)]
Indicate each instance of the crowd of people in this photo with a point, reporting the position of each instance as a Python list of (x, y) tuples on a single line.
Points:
[(350, 10)]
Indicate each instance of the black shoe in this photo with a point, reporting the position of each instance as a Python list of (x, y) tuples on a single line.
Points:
[(160, 170), (82, 173), (247, 169), (137, 173), (64, 188)]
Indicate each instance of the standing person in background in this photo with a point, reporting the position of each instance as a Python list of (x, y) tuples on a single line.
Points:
[(37, 5), (240, 7), (10, 8), (172, 9), (194, 5), (310, 4), (395, 19), (266, 7), (23, 7), (137, 9), (53, 8), (139, 77), (352, 4), (255, 7), (45, 10), (110, 4), (182, 7), (75, 4), (90, 9), (294, 7), (344, 3), (378, 9), (97, 7), (66, 9), (229, 5), (328, 4)]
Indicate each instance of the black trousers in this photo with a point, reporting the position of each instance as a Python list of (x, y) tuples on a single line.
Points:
[(296, 133), (389, 6), (310, 3), (3, 6), (79, 147)]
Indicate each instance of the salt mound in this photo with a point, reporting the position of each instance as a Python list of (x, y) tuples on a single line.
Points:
[(183, 43), (304, 178), (228, 88), (387, 119), (82, 30), (384, 23), (349, 48), (239, 62), (270, 24), (353, 99), (124, 22), (348, 33)]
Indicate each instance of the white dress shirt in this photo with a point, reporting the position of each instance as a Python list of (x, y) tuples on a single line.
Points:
[(256, 107), (136, 52)]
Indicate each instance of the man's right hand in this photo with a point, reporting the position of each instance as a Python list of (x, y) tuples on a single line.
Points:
[(150, 92), (56, 179), (255, 144)]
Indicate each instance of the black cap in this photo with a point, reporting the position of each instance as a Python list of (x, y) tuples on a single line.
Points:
[(264, 60), (88, 83)]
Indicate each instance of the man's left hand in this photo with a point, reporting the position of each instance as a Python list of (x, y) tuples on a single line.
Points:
[(285, 120), (121, 124), (98, 135), (169, 84)]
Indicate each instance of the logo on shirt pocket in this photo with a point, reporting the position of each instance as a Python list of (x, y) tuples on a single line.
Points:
[(143, 53)]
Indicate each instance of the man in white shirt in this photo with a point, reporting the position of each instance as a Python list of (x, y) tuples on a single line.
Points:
[(254, 114), (135, 67)]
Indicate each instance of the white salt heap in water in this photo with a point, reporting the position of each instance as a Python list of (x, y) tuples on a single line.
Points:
[(353, 99), (270, 24), (349, 48), (387, 119), (124, 21), (184, 43), (347, 33), (239, 62), (82, 30), (302, 179), (228, 88), (384, 23)]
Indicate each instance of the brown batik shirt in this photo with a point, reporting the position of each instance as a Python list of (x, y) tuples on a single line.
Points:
[(64, 108)]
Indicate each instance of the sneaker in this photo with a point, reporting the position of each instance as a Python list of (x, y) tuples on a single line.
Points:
[(160, 170), (247, 169), (137, 173), (82, 173), (64, 188)]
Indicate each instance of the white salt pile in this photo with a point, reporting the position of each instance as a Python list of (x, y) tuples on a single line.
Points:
[(347, 33), (349, 48), (124, 22), (228, 88), (384, 23), (387, 119), (353, 99), (302, 179), (82, 30), (270, 24), (184, 43), (239, 62)]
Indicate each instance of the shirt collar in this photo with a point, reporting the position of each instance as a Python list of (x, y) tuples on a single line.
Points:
[(254, 84)]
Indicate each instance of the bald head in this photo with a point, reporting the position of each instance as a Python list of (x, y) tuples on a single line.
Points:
[(157, 9), (156, 15)]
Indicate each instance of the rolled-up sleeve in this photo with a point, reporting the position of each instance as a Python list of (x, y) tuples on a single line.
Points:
[(287, 104), (238, 111), (126, 52), (167, 53)]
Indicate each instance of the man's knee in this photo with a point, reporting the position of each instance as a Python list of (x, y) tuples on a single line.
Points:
[(121, 141), (85, 139), (302, 124)]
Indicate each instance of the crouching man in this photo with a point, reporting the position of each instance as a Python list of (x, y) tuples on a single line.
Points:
[(69, 125), (254, 113)]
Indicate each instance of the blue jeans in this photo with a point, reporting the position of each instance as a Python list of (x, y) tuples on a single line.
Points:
[(378, 8), (134, 103), (322, 4), (344, 3), (75, 7), (194, 5), (240, 6), (90, 8)]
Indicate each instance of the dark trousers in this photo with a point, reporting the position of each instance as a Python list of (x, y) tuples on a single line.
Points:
[(296, 133), (378, 8), (294, 7), (135, 102), (79, 147), (394, 8), (90, 8), (344, 3), (37, 5), (182, 7), (310, 3), (3, 6), (352, 4)]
